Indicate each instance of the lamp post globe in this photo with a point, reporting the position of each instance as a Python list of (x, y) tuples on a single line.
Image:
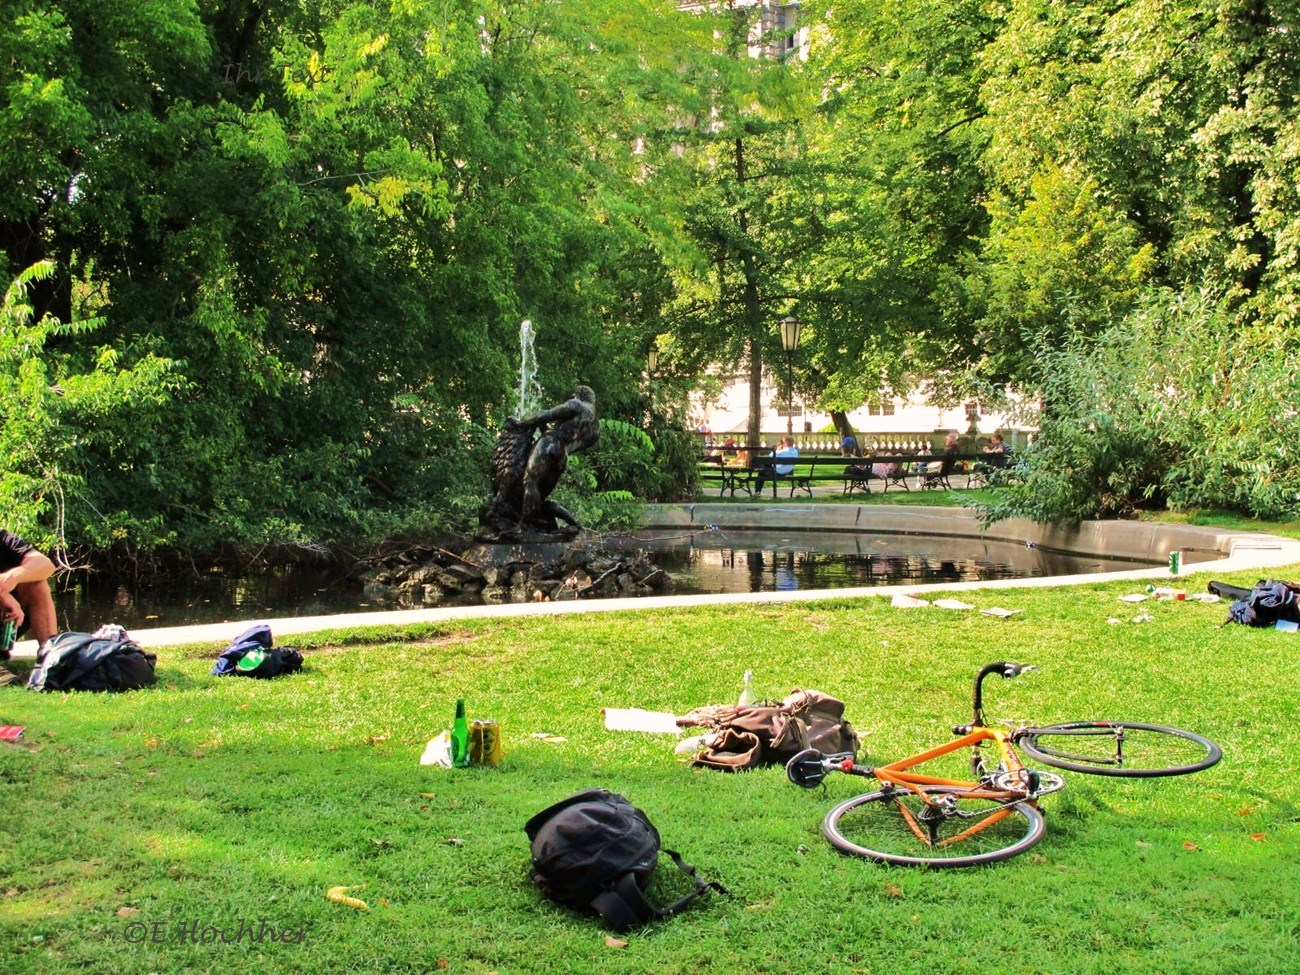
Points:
[(789, 341)]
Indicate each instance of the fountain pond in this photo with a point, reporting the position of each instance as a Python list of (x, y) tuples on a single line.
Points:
[(699, 562)]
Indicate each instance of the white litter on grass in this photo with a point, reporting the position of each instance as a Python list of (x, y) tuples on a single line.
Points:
[(952, 604), (999, 612), (638, 719), (1134, 597), (902, 601), (1203, 597), (438, 751)]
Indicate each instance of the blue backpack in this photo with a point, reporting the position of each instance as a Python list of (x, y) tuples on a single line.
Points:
[(252, 655)]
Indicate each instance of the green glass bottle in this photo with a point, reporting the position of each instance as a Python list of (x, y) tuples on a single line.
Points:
[(460, 736)]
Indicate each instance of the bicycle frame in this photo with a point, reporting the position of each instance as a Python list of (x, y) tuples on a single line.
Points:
[(900, 773), (972, 736), (903, 774)]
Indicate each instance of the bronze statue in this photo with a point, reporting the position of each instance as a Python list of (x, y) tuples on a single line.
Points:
[(527, 462)]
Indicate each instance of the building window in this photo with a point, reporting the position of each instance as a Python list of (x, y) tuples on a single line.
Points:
[(788, 24)]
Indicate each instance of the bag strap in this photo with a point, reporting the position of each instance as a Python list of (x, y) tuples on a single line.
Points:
[(624, 905)]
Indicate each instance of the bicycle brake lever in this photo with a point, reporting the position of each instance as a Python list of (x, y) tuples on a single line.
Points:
[(1015, 670)]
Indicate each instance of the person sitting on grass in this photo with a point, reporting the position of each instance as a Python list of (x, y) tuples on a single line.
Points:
[(773, 471), (24, 593)]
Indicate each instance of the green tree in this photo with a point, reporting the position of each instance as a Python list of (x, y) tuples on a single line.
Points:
[(894, 195), (331, 218), (737, 149), (48, 413)]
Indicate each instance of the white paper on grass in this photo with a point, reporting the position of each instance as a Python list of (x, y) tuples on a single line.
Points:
[(637, 719), (999, 612), (903, 601), (1133, 597), (952, 604)]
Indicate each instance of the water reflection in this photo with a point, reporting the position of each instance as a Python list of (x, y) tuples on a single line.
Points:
[(741, 561), (85, 602)]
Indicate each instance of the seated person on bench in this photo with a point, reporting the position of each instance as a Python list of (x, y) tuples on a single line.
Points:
[(936, 472), (787, 449)]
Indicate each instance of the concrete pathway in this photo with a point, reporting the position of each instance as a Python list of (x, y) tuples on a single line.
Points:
[(1238, 552)]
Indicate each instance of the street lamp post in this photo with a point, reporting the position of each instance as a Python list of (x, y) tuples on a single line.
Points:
[(789, 342)]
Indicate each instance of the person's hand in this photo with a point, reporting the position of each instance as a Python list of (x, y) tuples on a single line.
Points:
[(10, 609)]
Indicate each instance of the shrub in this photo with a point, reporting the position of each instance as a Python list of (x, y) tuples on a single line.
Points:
[(1174, 405)]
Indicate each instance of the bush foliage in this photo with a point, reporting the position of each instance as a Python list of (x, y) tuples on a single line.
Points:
[(1178, 404)]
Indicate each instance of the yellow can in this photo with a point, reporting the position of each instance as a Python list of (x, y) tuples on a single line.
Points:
[(485, 746)]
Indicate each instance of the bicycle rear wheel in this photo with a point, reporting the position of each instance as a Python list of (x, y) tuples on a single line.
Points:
[(1120, 748), (897, 826)]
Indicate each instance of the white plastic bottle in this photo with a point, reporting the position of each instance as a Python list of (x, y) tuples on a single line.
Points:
[(747, 696)]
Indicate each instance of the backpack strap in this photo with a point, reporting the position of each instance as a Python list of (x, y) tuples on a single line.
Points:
[(624, 905)]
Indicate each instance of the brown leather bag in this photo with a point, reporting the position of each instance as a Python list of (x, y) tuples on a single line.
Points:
[(805, 719)]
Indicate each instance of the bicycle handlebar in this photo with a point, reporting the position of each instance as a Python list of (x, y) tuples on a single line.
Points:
[(1005, 669)]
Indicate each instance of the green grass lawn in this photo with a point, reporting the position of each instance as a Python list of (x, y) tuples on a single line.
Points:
[(163, 813)]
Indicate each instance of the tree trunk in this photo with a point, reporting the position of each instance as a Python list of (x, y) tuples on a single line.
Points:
[(753, 311), (844, 428)]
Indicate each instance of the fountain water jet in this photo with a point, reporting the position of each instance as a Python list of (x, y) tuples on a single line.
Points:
[(530, 390)]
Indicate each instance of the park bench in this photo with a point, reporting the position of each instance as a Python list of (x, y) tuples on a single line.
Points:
[(809, 468), (853, 473)]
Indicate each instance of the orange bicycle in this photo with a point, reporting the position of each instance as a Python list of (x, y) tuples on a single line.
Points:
[(920, 819)]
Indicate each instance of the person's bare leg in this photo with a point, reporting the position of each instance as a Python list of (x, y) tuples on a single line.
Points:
[(38, 606)]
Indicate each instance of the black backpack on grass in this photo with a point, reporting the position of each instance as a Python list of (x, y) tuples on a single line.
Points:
[(106, 660), (1269, 602), (595, 851)]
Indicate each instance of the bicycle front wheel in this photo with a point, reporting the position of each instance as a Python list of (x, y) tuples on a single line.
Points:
[(1118, 748), (953, 829)]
